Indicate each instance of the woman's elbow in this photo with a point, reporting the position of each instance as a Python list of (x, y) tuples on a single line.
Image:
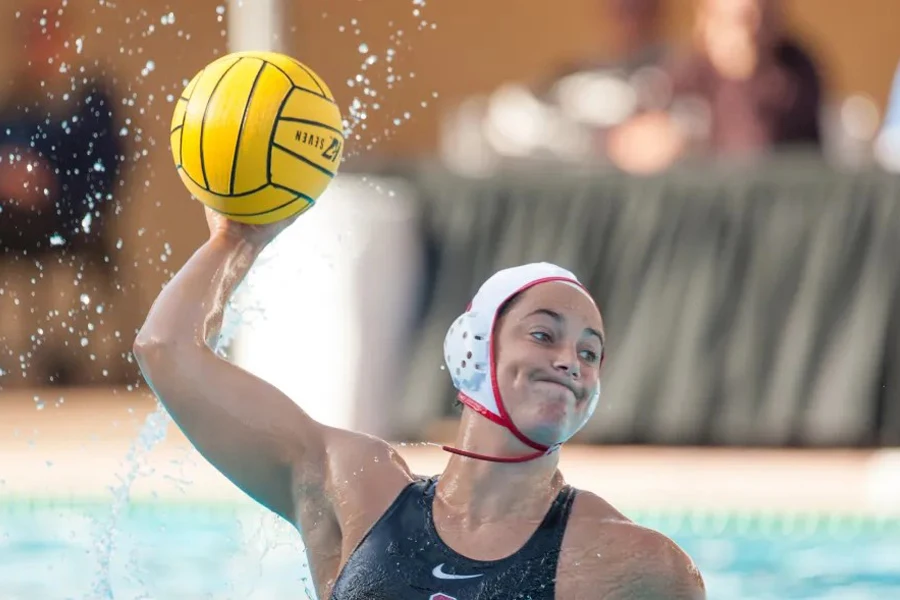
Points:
[(154, 352), (150, 351)]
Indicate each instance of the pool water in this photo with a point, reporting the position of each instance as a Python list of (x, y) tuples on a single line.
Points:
[(164, 551)]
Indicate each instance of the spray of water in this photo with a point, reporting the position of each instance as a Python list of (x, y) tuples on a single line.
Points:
[(151, 434), (371, 89), (86, 324)]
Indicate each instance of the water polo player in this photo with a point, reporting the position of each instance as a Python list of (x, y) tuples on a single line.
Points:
[(499, 522)]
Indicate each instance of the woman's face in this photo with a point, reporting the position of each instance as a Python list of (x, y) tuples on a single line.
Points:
[(548, 351)]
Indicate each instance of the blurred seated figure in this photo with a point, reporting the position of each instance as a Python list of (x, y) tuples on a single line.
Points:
[(567, 115), (59, 164), (601, 95), (746, 88), (634, 45), (59, 149)]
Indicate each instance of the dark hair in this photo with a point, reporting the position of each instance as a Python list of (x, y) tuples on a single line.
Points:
[(507, 305)]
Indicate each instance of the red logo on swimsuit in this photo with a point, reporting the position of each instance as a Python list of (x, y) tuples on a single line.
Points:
[(441, 597)]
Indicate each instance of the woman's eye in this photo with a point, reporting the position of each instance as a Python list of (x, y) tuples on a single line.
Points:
[(541, 336), (589, 355)]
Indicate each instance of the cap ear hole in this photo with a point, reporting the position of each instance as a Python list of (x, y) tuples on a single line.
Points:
[(480, 367), (465, 334), (463, 364), (480, 338), (468, 355)]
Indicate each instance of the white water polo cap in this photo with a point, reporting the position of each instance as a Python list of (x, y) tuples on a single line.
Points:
[(469, 349)]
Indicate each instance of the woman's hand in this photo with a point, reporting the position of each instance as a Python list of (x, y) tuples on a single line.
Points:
[(257, 235)]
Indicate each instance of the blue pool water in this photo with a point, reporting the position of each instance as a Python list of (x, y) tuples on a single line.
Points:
[(164, 551)]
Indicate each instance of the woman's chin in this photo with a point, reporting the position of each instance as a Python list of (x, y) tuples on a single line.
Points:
[(546, 429)]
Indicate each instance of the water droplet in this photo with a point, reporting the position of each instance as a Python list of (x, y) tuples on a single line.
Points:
[(148, 68), (363, 48), (85, 299), (220, 10), (57, 240)]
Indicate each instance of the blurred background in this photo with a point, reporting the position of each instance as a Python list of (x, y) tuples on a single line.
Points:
[(720, 174)]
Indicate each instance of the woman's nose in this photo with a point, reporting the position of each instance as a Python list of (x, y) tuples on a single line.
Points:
[(567, 363)]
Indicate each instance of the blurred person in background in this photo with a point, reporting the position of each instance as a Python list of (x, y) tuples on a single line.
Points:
[(634, 39), (59, 163), (600, 95), (746, 88), (887, 145)]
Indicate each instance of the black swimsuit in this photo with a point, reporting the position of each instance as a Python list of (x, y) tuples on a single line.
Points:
[(403, 557)]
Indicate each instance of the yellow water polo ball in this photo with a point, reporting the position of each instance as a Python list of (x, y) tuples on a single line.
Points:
[(256, 136)]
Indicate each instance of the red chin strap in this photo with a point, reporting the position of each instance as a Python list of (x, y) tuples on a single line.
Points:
[(496, 459), (504, 421)]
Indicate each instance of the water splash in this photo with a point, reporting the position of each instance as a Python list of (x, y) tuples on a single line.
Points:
[(151, 434), (60, 322), (371, 90)]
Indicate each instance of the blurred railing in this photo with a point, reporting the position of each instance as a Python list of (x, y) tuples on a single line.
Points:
[(753, 306)]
